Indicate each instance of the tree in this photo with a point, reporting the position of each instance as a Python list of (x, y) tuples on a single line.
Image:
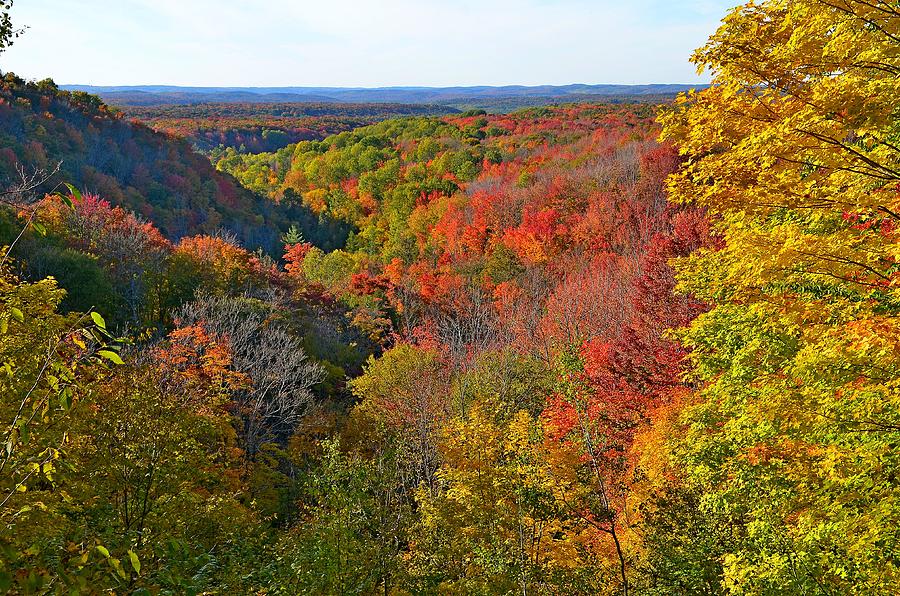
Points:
[(224, 266), (793, 152), (131, 251), (406, 393), (159, 463), (501, 521), (48, 363), (353, 525), (279, 372)]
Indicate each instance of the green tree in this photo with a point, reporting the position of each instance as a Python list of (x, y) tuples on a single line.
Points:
[(46, 362), (351, 530)]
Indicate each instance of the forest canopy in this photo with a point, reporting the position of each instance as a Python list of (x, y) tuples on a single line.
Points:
[(590, 348)]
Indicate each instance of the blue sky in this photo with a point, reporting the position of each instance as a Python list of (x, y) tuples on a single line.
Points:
[(361, 43)]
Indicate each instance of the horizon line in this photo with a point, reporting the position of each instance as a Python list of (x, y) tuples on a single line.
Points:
[(383, 87)]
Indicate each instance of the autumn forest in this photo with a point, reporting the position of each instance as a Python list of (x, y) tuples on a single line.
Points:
[(646, 345)]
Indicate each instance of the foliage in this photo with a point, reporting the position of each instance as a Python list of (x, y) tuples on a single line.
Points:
[(494, 357), (793, 152), (152, 174), (259, 127), (351, 530)]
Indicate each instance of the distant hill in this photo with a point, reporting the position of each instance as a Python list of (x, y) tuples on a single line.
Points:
[(508, 97)]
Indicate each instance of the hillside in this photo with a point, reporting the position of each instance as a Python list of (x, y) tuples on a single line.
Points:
[(155, 175)]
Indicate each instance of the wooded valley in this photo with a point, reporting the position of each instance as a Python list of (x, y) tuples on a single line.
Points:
[(578, 348)]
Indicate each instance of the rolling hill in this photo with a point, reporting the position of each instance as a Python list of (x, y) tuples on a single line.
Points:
[(497, 98)]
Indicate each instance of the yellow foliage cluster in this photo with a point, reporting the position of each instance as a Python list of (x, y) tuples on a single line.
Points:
[(795, 153)]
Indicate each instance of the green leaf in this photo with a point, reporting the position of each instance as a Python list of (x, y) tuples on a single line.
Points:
[(98, 320), (39, 228), (135, 562), (102, 550), (111, 356), (65, 399), (75, 192), (17, 314)]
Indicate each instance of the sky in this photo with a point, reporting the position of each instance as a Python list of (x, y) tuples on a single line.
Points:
[(360, 43)]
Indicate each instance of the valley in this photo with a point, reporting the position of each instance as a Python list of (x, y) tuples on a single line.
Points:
[(512, 339)]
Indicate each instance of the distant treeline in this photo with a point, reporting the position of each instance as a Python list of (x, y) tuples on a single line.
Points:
[(495, 98), (256, 128)]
